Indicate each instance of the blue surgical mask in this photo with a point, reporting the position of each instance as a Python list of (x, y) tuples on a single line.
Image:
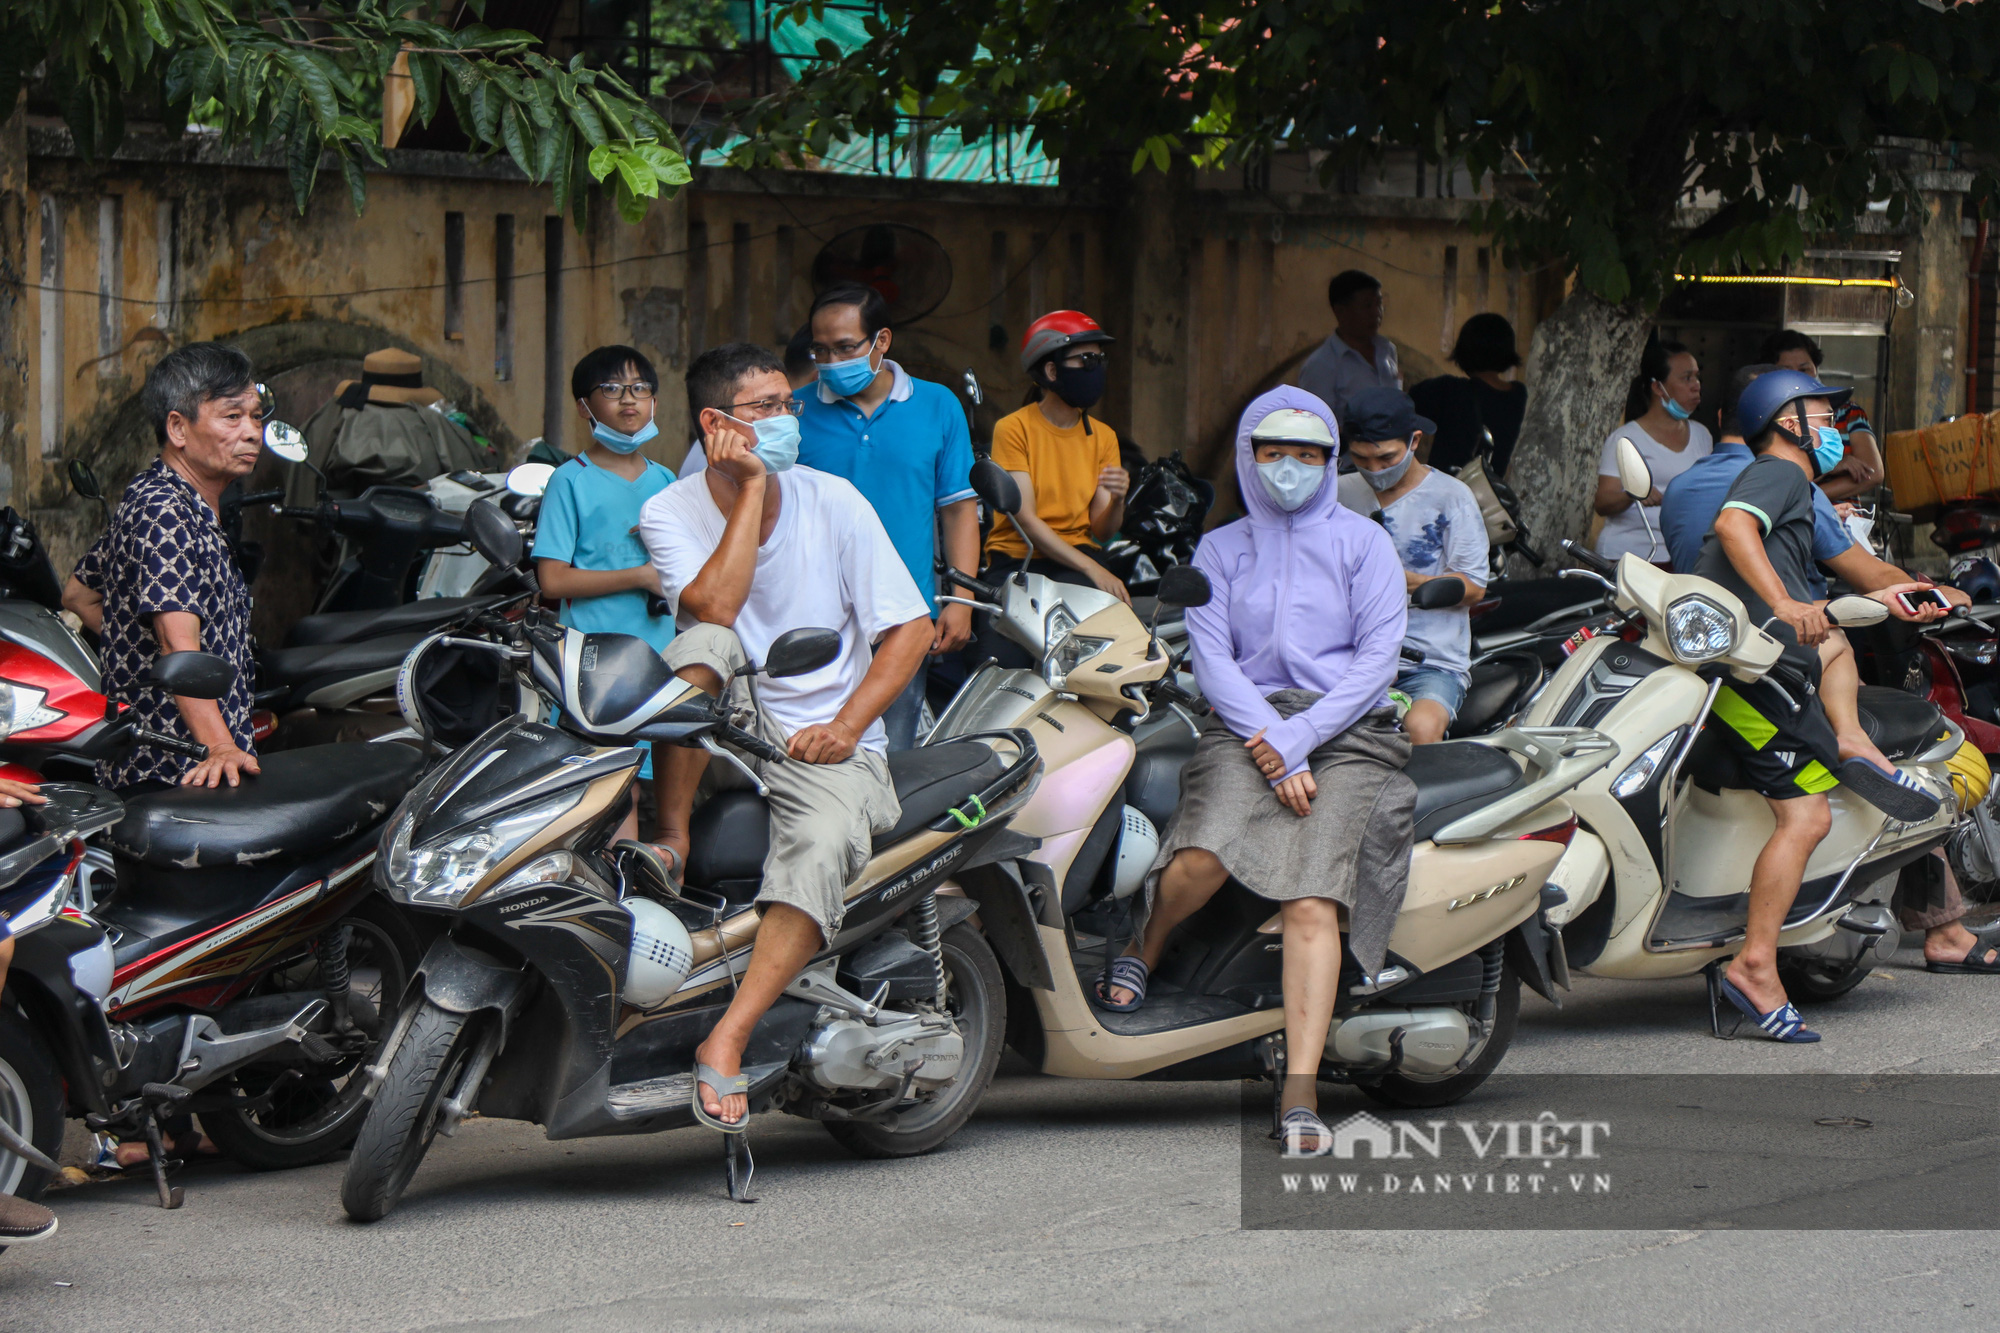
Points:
[(777, 441), (1289, 482), (617, 441), (1674, 409), (847, 378), (1828, 448)]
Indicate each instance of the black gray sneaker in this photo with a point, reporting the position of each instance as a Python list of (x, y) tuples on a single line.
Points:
[(22, 1221)]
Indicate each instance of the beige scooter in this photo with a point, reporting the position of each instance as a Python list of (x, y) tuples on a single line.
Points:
[(1657, 878), (1111, 727)]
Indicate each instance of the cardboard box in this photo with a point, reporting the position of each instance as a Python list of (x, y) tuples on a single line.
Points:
[(1952, 460)]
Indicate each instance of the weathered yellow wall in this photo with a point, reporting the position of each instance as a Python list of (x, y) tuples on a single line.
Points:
[(1213, 294)]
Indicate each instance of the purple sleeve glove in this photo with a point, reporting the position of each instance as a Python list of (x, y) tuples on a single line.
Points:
[(1233, 695)]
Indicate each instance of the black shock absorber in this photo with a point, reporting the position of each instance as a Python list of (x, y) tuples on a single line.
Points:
[(1492, 958), (334, 974), (924, 932)]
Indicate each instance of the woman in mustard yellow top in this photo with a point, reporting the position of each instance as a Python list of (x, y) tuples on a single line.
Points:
[(1066, 464)]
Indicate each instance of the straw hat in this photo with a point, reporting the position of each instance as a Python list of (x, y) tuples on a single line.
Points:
[(393, 377)]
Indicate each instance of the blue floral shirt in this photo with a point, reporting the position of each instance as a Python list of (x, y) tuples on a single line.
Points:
[(165, 552)]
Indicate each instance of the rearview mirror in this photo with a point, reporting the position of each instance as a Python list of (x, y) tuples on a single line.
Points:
[(83, 481), (1633, 475), (797, 651), (267, 402), (493, 534), (992, 484), (1183, 586), (194, 675), (530, 479), (284, 440), (1439, 594), (1856, 612), (972, 389)]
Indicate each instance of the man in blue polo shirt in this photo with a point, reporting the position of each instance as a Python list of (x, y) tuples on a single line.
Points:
[(904, 445)]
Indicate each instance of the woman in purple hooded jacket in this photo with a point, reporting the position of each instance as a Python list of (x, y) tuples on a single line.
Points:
[(1296, 789)]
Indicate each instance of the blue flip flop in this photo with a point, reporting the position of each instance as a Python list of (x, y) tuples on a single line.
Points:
[(1780, 1024), (1895, 793), (1126, 972)]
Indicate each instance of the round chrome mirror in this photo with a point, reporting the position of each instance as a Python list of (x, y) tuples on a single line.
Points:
[(284, 440), (530, 479)]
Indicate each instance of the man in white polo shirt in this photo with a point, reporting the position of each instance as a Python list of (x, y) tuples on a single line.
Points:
[(747, 548)]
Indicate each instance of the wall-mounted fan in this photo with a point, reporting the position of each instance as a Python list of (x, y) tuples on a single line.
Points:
[(907, 266)]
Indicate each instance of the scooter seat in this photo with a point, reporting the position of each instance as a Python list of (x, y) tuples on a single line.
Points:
[(1454, 778), (1496, 684), (1899, 723), (302, 802), (731, 832), (296, 666), (430, 614)]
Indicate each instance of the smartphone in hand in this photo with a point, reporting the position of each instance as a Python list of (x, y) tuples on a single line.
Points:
[(1917, 602)]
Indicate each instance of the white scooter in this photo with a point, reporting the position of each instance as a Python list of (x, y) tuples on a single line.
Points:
[(1658, 874)]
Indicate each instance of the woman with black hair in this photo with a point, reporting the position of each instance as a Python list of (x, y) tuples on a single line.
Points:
[(1658, 422), (1482, 400)]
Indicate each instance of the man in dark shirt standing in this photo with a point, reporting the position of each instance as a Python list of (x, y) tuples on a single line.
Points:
[(161, 579), (1761, 550)]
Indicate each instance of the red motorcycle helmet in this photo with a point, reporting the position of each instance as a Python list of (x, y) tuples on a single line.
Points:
[(1056, 332)]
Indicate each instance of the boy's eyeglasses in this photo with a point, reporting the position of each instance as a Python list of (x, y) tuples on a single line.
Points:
[(641, 391)]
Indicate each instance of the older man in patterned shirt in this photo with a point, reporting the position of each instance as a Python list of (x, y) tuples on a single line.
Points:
[(161, 578)]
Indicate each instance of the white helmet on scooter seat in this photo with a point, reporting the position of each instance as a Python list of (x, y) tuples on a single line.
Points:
[(662, 953), (1138, 844)]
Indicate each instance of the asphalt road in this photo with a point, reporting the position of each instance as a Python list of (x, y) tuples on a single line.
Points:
[(1062, 1205)]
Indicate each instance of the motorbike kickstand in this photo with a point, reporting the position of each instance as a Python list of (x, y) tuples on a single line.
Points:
[(171, 1196), (738, 1167), (1713, 974)]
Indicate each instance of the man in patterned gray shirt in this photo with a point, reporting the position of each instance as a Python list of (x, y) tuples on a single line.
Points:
[(161, 578)]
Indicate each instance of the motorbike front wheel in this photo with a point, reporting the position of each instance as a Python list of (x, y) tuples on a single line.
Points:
[(403, 1118), (31, 1100), (976, 997), (1820, 980)]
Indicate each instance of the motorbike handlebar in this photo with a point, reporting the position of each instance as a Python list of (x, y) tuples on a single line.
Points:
[(657, 606), (309, 513), (1589, 559), (750, 744), (171, 744), (1413, 655), (262, 497), (965, 580)]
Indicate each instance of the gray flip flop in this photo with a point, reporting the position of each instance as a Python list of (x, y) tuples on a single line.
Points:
[(724, 1085)]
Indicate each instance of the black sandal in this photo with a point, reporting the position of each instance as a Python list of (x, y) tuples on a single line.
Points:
[(1974, 961)]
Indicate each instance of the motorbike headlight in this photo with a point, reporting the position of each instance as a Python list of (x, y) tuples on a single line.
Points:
[(22, 709), (1698, 630), (1069, 653), (442, 873)]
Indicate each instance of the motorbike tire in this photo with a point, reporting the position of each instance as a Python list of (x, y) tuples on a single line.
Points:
[(977, 997), (1814, 983), (333, 1115), (1417, 1091), (403, 1118), (31, 1099)]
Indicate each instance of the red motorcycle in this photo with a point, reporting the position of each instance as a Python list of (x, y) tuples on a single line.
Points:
[(218, 951)]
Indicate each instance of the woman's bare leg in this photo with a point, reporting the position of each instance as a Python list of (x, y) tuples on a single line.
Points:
[(1312, 982), (1188, 882)]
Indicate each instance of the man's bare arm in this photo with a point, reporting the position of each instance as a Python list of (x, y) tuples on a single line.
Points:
[(180, 631), (897, 657), (717, 594), (85, 602), (1742, 538)]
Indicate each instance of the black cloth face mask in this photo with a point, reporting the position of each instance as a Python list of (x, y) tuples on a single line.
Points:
[(1079, 387)]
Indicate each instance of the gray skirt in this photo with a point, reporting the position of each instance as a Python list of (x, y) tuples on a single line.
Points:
[(1354, 846)]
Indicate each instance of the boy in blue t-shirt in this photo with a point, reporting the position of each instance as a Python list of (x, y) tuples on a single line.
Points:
[(588, 553)]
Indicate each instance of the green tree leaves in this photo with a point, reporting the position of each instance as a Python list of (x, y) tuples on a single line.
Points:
[(306, 79), (1623, 140)]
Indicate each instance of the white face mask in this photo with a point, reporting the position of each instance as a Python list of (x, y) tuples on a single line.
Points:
[(1386, 478), (1289, 482)]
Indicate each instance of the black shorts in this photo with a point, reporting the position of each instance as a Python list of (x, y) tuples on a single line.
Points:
[(1779, 737)]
